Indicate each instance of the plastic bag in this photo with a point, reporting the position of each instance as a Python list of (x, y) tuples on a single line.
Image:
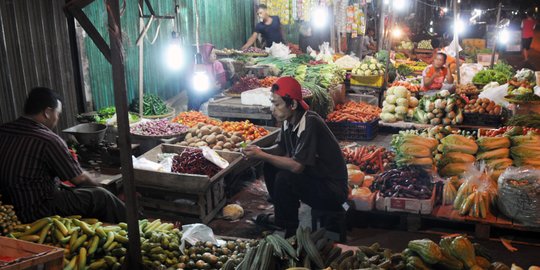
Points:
[(467, 72), (279, 50), (496, 94), (477, 193), (519, 195), (214, 157), (192, 233)]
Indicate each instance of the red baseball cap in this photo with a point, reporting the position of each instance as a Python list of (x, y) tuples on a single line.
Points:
[(289, 86)]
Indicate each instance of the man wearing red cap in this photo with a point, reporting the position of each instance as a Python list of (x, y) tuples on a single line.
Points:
[(305, 164)]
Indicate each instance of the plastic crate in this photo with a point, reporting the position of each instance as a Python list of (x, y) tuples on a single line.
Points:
[(477, 119), (355, 131)]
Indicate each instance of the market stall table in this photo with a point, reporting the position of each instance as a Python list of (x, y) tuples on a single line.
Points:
[(232, 107)]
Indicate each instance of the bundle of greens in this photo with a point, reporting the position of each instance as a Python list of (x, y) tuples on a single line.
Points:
[(321, 102), (152, 105), (490, 75)]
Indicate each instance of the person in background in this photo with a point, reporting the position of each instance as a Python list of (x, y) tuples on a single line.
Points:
[(269, 28), (305, 164), (436, 74), (369, 45), (527, 33), (34, 160), (216, 74), (437, 48)]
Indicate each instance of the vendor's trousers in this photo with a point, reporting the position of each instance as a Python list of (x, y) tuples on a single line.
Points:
[(287, 189), (91, 202)]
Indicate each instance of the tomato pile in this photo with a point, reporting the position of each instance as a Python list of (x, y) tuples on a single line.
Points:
[(250, 131)]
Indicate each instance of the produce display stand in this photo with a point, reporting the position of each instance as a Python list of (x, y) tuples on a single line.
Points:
[(232, 107), (196, 198), (415, 206), (423, 51), (30, 255)]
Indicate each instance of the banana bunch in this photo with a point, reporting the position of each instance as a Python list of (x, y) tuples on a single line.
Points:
[(160, 245), (8, 218), (87, 244)]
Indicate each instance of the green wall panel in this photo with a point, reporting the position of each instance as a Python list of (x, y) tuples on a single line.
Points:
[(224, 23)]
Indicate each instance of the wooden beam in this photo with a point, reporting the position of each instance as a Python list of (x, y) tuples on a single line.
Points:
[(86, 24), (124, 139)]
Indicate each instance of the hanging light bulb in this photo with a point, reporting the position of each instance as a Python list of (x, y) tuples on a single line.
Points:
[(174, 54), (201, 81), (396, 32), (399, 5), (320, 17), (504, 36)]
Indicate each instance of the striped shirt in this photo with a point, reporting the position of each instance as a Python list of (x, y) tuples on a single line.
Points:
[(32, 158)]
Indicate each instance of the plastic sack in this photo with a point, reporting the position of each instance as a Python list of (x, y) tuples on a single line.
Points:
[(145, 164), (496, 94), (519, 195), (279, 50), (477, 193), (467, 72), (192, 233)]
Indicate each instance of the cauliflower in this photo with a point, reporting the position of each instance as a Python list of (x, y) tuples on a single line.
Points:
[(400, 91), (367, 73), (373, 61), (373, 67), (364, 67)]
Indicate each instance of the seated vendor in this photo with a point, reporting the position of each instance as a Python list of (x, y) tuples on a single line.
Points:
[(436, 74), (34, 160), (305, 164)]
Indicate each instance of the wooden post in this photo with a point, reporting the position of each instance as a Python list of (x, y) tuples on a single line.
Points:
[(141, 58), (494, 48), (456, 38), (381, 27), (124, 139)]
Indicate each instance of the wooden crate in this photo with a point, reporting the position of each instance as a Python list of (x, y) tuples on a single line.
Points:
[(197, 197), (30, 255)]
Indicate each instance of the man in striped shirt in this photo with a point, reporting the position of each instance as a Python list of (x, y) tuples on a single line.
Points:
[(34, 159)]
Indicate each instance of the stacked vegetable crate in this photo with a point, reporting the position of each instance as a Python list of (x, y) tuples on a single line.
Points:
[(27, 255), (195, 197)]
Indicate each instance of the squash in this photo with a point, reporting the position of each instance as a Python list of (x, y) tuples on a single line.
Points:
[(448, 262), (427, 249), (414, 262), (356, 177), (482, 262), (463, 249), (498, 266)]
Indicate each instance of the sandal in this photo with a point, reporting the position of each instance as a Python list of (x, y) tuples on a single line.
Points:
[(264, 220)]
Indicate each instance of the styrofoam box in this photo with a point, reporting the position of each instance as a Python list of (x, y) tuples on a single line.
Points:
[(414, 206), (365, 203)]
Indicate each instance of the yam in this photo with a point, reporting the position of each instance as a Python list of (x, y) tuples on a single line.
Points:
[(201, 143), (221, 138), (216, 129), (227, 145), (205, 131), (184, 143), (211, 139), (204, 137), (217, 147), (239, 134), (236, 139), (220, 143), (188, 136)]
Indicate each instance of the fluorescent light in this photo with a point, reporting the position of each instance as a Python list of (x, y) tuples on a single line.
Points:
[(396, 32), (201, 81), (504, 36), (431, 29), (174, 56), (386, 2), (459, 26), (399, 5), (430, 22), (320, 17)]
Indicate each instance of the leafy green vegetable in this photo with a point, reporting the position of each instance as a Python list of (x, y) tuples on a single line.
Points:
[(490, 75), (321, 102), (529, 120), (504, 68), (404, 70)]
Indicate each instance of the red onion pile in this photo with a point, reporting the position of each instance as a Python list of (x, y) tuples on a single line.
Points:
[(254, 50), (192, 161), (245, 83), (161, 127)]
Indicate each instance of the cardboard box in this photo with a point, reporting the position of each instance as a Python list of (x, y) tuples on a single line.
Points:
[(27, 255)]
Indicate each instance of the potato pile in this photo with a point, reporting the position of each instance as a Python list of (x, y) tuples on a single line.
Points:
[(483, 106), (467, 89), (212, 136)]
